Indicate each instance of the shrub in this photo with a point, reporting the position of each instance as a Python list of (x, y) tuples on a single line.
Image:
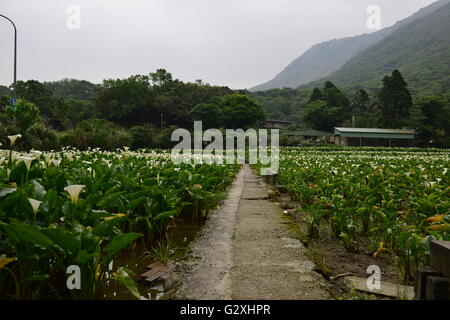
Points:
[(25, 112), (39, 137), (142, 136), (96, 133)]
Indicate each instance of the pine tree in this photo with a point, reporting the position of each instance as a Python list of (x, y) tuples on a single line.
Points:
[(395, 100), (316, 95), (360, 105), (335, 98)]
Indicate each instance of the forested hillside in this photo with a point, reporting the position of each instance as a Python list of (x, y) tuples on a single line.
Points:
[(321, 60), (325, 58), (420, 50)]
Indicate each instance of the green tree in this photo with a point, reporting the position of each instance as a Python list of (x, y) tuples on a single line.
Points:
[(316, 95), (72, 89), (432, 121), (241, 112), (53, 109), (35, 92), (395, 100), (25, 114), (126, 101), (209, 113), (4, 91), (161, 77), (320, 116), (143, 136), (335, 98), (360, 105)]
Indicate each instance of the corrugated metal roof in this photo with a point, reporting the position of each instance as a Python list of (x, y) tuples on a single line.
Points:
[(375, 130), (306, 132)]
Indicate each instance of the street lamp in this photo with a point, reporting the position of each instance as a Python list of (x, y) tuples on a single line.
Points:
[(15, 57)]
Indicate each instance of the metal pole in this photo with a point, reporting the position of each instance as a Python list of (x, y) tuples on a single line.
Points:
[(15, 55)]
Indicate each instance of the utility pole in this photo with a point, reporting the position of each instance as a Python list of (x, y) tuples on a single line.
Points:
[(13, 96)]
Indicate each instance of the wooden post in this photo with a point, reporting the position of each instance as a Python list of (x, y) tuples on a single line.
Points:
[(420, 285), (440, 256), (433, 283), (437, 288), (271, 176)]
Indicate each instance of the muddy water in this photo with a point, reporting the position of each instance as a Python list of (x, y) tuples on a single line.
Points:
[(136, 260)]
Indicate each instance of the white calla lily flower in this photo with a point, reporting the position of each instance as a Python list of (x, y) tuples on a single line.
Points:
[(35, 204), (13, 138), (47, 157), (56, 162), (27, 161), (74, 191)]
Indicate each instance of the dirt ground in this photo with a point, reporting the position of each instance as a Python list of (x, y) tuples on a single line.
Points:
[(340, 261), (331, 257)]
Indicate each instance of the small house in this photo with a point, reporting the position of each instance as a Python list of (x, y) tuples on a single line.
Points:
[(374, 137)]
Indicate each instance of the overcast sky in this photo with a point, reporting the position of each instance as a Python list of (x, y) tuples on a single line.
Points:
[(238, 43)]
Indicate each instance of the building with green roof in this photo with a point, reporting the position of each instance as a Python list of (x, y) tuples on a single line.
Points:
[(374, 137)]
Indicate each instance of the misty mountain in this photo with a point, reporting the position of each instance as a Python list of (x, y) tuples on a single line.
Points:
[(327, 57), (419, 49)]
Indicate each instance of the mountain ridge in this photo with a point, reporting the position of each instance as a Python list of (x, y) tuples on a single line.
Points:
[(327, 57), (420, 50)]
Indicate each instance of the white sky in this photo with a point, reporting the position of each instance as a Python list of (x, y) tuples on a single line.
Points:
[(237, 43)]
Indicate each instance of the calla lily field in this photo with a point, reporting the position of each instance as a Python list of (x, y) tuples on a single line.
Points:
[(84, 208), (59, 209), (391, 200)]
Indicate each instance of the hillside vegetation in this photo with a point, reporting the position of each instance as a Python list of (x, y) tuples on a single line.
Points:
[(325, 58), (420, 50)]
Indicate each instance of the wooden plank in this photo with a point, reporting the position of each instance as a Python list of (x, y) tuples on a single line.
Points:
[(387, 289), (437, 288), (420, 285), (156, 271), (440, 256), (151, 272)]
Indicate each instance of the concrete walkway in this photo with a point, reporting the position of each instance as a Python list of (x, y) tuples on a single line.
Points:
[(247, 251)]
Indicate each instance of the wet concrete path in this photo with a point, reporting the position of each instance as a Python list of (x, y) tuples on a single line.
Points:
[(248, 251)]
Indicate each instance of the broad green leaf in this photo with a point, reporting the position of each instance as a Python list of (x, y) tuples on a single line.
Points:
[(121, 241), (29, 233), (104, 228), (64, 239), (109, 200), (39, 190), (135, 202), (166, 215), (83, 257), (124, 277), (18, 173)]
